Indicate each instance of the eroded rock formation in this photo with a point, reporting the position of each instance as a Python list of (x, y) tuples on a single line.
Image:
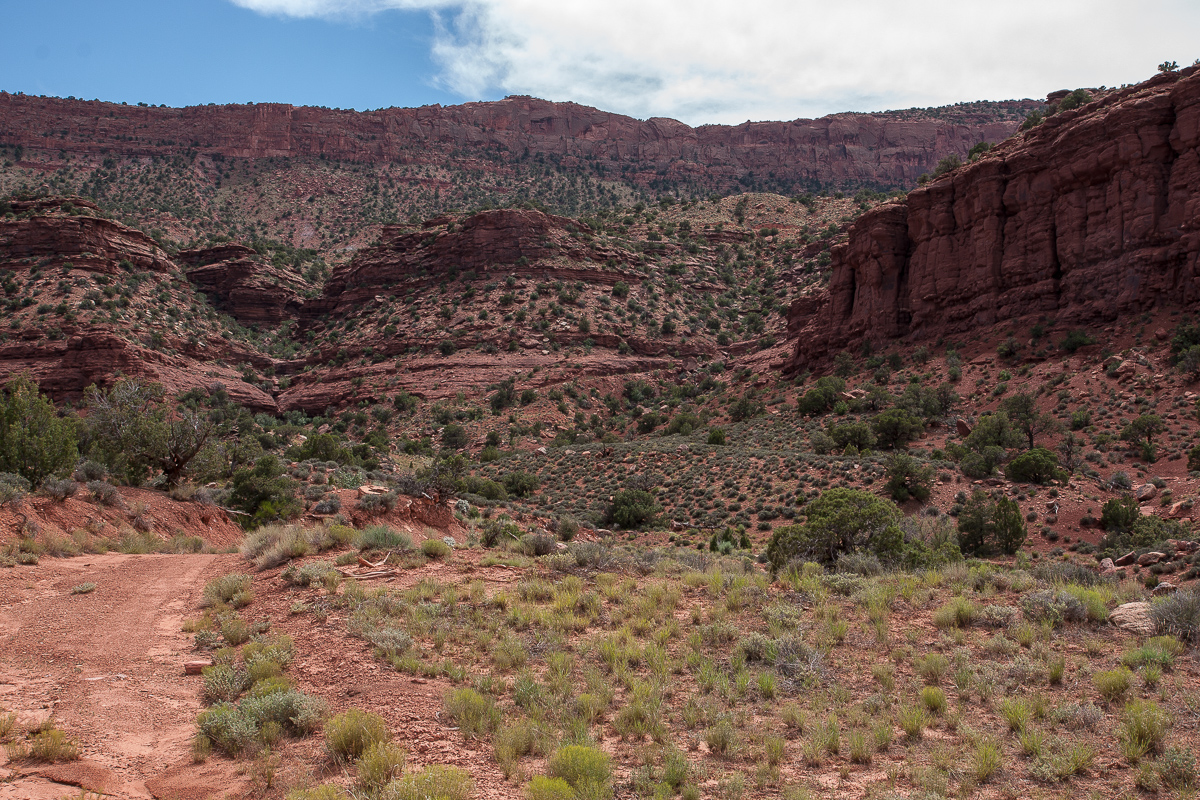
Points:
[(1092, 214), (890, 148), (241, 283), (508, 241)]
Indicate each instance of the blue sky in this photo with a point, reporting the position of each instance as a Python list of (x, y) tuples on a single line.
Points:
[(699, 61), (191, 52)]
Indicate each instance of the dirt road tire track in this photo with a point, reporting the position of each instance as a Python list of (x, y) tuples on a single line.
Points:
[(108, 667)]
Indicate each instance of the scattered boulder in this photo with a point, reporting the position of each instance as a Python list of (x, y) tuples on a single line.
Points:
[(963, 429), (1164, 588), (1150, 559), (1133, 617), (1146, 491), (1126, 560)]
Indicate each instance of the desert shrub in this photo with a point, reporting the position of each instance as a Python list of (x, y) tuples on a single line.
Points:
[(1056, 607), (234, 630), (865, 564), (986, 524), (348, 735), (521, 484), (223, 682), (913, 720), (382, 537), (475, 714), (1178, 615), (392, 641), (104, 493), (292, 711), (1076, 339), (229, 730), (1176, 769), (585, 768), (632, 508), (487, 489), (435, 782), (538, 544), (1144, 726), (224, 589), (436, 549), (88, 471), (60, 489), (493, 530), (907, 477), (958, 613), (542, 787), (51, 746), (272, 545), (858, 434), (379, 765), (839, 521), (822, 396), (1113, 684), (1119, 513), (378, 503), (934, 699), (896, 427), (35, 442), (1095, 609), (932, 667), (1038, 465), (263, 493)]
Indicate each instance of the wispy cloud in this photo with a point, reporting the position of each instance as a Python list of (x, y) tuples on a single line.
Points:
[(707, 61)]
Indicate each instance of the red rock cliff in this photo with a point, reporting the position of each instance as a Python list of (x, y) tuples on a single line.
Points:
[(892, 148), (1092, 214)]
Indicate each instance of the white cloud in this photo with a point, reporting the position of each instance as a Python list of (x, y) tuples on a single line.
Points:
[(706, 61)]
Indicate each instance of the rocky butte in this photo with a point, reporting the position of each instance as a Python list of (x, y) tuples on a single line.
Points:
[(885, 149), (1093, 214)]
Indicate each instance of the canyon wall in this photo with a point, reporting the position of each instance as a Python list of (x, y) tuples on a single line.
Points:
[(884, 149), (1092, 214)]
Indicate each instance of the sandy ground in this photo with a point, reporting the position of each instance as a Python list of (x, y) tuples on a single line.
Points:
[(108, 667)]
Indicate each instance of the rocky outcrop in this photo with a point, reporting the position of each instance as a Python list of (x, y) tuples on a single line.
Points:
[(54, 231), (1092, 214), (889, 149), (239, 282), (509, 241), (64, 368)]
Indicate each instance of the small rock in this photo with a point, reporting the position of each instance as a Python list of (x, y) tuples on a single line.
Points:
[(1126, 560), (195, 667), (1107, 565), (1179, 509), (1160, 334), (1146, 492), (1133, 617), (450, 541), (962, 428), (1164, 588), (542, 450), (1150, 559)]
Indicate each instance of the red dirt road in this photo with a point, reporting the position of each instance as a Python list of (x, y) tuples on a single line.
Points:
[(108, 667)]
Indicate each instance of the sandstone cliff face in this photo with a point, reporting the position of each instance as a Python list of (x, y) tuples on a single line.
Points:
[(509, 241), (239, 282), (1092, 214), (65, 354), (81, 239), (891, 149)]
